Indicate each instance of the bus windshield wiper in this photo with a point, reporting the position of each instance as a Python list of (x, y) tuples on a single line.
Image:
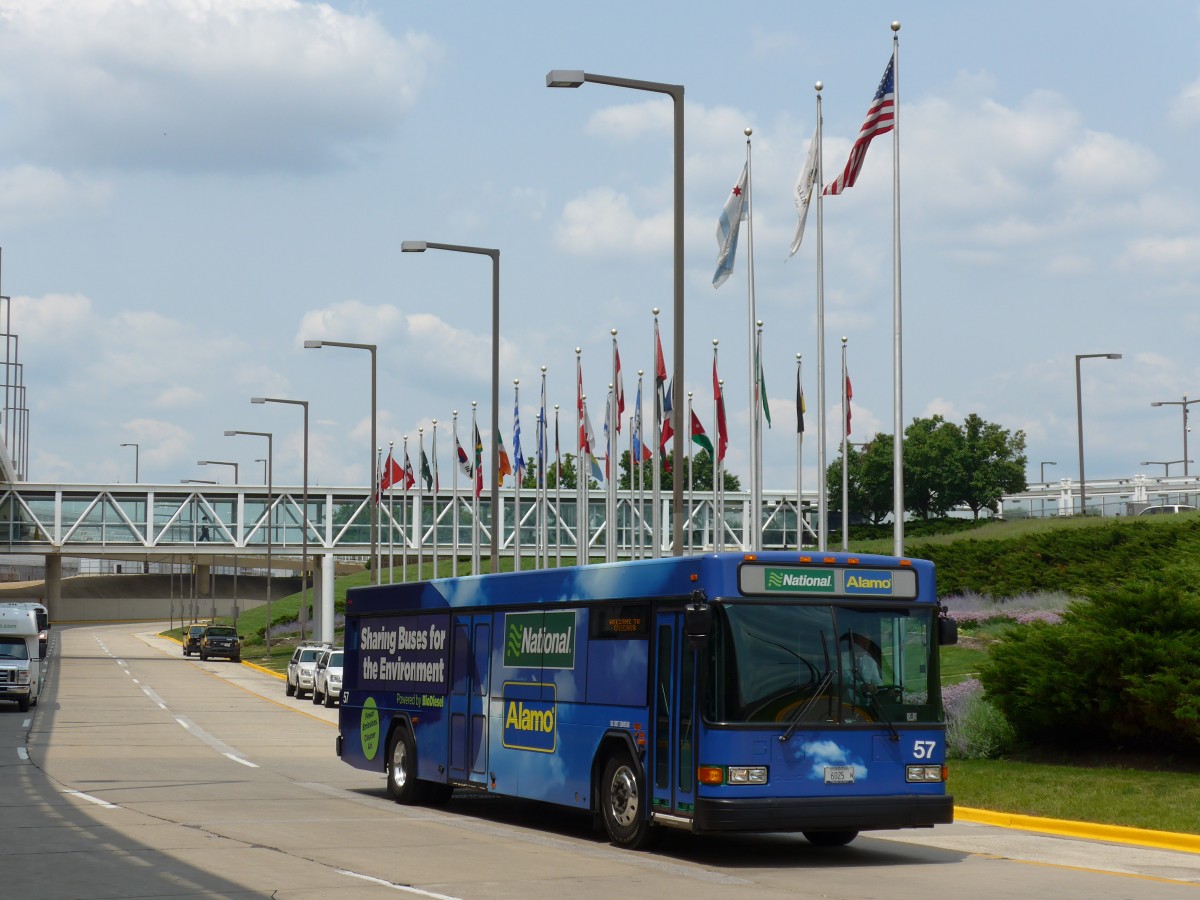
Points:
[(799, 717), (873, 700)]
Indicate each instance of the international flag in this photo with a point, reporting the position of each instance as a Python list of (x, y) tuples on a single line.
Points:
[(698, 435), (410, 479), (849, 397), (668, 430), (722, 430), (640, 451), (800, 408), (391, 474), (504, 465), (619, 387), (464, 461), (426, 472), (518, 456), (541, 439), (735, 211), (558, 469), (589, 444), (803, 191), (478, 462), (761, 382), (881, 118)]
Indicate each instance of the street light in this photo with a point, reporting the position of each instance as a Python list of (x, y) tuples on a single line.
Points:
[(304, 516), (1079, 417), (1183, 405), (264, 462), (1166, 464), (217, 462), (270, 520), (421, 247), (574, 78), (373, 484), (1046, 463), (196, 481), (136, 454)]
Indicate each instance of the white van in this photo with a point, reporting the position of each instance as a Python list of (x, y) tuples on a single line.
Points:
[(20, 657)]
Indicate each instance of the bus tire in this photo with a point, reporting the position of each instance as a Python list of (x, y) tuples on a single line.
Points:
[(622, 798), (830, 838), (402, 781), (23, 704)]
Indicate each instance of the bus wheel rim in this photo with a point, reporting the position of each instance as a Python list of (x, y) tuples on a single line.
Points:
[(624, 794)]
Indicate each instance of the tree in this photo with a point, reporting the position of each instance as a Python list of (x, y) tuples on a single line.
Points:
[(702, 474), (994, 462), (934, 473)]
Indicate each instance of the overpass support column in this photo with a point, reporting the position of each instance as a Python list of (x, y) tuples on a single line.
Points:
[(53, 585), (328, 568)]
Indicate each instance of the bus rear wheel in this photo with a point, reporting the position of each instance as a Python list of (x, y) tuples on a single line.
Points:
[(621, 804), (830, 838), (402, 768)]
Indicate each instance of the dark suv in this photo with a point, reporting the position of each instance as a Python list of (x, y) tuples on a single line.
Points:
[(221, 640), (191, 639)]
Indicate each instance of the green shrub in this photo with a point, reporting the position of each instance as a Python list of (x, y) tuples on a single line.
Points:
[(1122, 669), (978, 730)]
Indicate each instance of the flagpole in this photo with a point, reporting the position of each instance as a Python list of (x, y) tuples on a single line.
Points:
[(404, 517), (752, 382), (721, 465), (897, 325), (691, 524), (433, 466), (614, 428), (659, 457), (585, 523), (760, 412), (716, 455), (377, 562), (476, 475), (419, 512), (581, 519), (518, 456), (391, 517), (557, 495), (822, 440), (845, 460), (799, 457), (542, 483), (639, 432), (610, 494)]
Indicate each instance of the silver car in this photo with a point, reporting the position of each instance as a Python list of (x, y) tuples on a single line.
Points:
[(301, 669), (327, 686)]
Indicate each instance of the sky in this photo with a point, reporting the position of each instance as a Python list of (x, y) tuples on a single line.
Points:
[(191, 189)]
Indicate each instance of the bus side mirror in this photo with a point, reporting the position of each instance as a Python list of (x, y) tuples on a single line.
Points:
[(698, 619), (947, 631)]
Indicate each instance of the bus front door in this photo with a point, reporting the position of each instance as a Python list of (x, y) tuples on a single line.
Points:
[(673, 765), (469, 698)]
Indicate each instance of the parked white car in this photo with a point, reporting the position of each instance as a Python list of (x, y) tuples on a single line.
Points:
[(327, 687), (301, 670)]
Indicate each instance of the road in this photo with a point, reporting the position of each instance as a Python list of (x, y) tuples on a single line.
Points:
[(145, 774)]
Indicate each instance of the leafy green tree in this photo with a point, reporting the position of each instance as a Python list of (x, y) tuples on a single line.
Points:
[(934, 467), (994, 463), (702, 474)]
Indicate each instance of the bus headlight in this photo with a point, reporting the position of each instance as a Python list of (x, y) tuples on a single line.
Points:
[(922, 773), (747, 775)]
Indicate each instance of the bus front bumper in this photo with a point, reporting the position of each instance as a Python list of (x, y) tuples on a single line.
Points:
[(823, 813)]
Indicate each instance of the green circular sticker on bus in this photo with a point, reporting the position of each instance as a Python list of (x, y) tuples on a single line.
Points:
[(368, 728)]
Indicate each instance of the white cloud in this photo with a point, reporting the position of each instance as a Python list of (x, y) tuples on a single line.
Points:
[(203, 84), (1162, 252), (1185, 110), (351, 321), (31, 194), (632, 120), (602, 222), (1106, 163)]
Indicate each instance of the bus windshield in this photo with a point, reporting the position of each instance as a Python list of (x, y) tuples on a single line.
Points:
[(774, 663)]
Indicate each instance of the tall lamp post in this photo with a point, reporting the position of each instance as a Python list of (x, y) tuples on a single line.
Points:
[(1183, 405), (304, 516), (136, 454), (574, 78), (270, 521), (372, 467), (421, 247), (264, 462), (1079, 419), (1044, 464), (217, 462)]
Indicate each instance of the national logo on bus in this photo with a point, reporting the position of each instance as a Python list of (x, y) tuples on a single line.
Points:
[(800, 581), (539, 640)]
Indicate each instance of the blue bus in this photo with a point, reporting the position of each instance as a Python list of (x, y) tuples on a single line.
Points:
[(777, 691)]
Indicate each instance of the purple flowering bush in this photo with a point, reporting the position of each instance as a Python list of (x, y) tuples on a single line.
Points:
[(975, 729), (971, 609)]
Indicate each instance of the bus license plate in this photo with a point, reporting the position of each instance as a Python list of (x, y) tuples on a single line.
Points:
[(839, 774)]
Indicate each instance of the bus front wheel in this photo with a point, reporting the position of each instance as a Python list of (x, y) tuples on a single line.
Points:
[(402, 768), (621, 804), (830, 838)]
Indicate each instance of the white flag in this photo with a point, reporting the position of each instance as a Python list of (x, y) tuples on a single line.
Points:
[(803, 191), (727, 227)]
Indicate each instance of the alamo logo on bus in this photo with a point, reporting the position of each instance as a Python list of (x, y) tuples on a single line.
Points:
[(529, 721), (869, 581), (545, 640), (800, 581)]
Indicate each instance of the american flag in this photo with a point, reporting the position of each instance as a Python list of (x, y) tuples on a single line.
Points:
[(881, 118)]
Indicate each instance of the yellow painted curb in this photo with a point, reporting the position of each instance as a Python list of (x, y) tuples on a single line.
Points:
[(1166, 840)]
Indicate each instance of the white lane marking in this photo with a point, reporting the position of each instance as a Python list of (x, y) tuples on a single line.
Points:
[(90, 799), (27, 722), (394, 886), (184, 723), (22, 753), (238, 759)]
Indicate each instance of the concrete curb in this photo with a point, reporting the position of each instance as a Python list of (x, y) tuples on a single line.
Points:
[(1120, 834)]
